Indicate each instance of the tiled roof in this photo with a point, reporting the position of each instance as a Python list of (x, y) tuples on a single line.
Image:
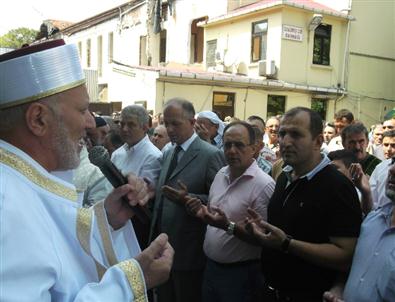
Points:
[(265, 4), (102, 17), (59, 23)]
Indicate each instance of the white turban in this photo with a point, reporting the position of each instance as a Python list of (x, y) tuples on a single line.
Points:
[(214, 119)]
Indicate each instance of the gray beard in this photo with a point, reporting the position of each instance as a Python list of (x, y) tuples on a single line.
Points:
[(65, 149)]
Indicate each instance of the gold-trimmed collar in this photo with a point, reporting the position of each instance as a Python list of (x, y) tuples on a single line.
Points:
[(30, 172)]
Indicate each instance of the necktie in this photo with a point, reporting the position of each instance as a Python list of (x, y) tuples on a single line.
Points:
[(174, 161), (172, 166)]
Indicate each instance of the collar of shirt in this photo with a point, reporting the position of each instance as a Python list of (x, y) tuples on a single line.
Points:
[(323, 163), (218, 141), (185, 145), (136, 146), (249, 172), (386, 212)]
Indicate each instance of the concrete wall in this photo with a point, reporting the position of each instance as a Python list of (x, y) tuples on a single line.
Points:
[(297, 57), (131, 85), (293, 58), (247, 101), (370, 72)]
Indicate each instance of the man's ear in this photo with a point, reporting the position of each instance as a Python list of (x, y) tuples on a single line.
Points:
[(319, 140), (38, 118), (254, 148)]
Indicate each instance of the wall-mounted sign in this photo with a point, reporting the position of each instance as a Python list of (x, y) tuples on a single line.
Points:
[(292, 33)]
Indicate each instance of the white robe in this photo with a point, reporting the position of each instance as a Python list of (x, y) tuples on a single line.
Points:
[(52, 249)]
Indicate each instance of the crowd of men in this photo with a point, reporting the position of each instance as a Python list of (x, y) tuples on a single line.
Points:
[(291, 209)]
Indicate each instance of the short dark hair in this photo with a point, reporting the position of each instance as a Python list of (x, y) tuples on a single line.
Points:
[(354, 129), (346, 156), (316, 126), (115, 138), (187, 106), (250, 129), (389, 133), (344, 113), (258, 133), (330, 125), (256, 117)]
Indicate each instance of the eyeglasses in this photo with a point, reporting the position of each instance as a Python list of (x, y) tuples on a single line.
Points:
[(237, 145)]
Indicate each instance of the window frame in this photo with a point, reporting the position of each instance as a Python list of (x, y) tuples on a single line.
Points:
[(324, 45), (270, 113), (225, 109), (110, 47), (88, 53), (260, 36)]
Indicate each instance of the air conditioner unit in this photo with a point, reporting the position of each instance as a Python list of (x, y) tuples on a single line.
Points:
[(267, 68)]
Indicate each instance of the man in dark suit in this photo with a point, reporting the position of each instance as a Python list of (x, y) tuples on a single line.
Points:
[(195, 163)]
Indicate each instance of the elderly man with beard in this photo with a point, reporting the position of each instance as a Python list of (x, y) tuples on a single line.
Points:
[(372, 275), (312, 228), (355, 138), (53, 249)]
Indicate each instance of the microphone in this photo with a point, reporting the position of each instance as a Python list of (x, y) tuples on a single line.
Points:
[(98, 155)]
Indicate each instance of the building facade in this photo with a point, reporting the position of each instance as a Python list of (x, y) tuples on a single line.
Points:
[(243, 57)]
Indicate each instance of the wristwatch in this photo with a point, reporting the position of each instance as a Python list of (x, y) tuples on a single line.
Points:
[(285, 244), (231, 228)]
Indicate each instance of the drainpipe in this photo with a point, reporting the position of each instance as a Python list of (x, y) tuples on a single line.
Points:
[(345, 57), (346, 47)]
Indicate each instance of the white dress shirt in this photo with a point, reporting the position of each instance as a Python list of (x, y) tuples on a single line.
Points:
[(377, 183), (143, 159)]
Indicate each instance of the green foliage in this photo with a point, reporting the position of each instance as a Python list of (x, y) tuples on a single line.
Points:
[(319, 106), (15, 38)]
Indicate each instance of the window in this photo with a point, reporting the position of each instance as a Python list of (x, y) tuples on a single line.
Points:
[(322, 44), (275, 105), (110, 47), (143, 60), (100, 55), (80, 49), (164, 11), (224, 104), (211, 47), (259, 41), (320, 106), (197, 41), (162, 46), (88, 53)]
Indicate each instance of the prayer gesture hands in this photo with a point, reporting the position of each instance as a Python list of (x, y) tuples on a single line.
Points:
[(211, 215), (266, 234), (178, 195), (332, 296)]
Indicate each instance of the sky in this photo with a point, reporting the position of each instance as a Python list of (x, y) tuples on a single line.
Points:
[(31, 13)]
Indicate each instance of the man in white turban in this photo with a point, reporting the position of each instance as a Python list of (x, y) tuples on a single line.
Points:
[(210, 128), (52, 249)]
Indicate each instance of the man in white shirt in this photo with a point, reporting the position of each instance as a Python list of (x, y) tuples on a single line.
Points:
[(138, 155)]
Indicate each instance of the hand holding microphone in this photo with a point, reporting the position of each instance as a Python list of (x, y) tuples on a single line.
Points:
[(136, 190)]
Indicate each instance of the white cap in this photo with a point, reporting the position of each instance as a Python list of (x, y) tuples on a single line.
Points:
[(38, 71), (214, 119)]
